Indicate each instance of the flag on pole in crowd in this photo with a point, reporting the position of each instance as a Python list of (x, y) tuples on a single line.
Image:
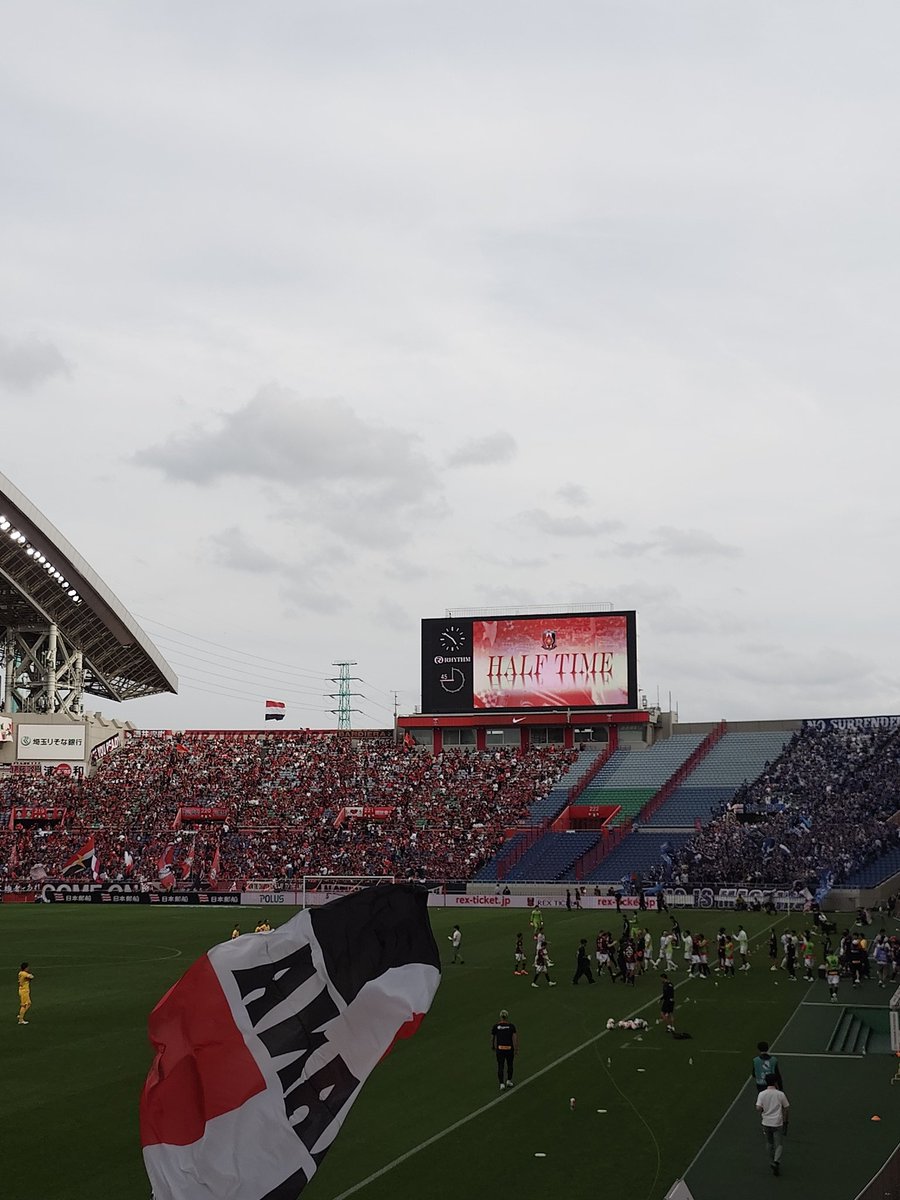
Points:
[(265, 1042), (128, 862), (95, 867), (214, 869), (164, 867), (274, 710), (187, 867), (80, 861)]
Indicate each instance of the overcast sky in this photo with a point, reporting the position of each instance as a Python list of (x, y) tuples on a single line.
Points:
[(322, 316)]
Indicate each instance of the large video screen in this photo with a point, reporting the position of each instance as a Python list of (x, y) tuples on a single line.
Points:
[(554, 661)]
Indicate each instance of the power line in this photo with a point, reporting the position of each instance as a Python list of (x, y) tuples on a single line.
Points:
[(255, 681), (232, 694), (246, 653), (223, 660), (377, 703)]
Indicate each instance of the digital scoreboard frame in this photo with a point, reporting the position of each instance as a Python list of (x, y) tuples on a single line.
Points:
[(521, 664)]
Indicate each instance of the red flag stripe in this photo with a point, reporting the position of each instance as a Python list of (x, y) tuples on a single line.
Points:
[(202, 1067)]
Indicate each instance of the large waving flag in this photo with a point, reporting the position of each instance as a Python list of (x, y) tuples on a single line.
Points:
[(264, 1044), (82, 859), (274, 710)]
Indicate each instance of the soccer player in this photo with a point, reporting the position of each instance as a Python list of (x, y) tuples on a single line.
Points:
[(541, 967), (628, 955), (505, 1044), (720, 949), (455, 938), (882, 958), (687, 946), (742, 944), (520, 957), (537, 921), (583, 963), (605, 955), (808, 948), (648, 949), (541, 943), (25, 978), (773, 950), (667, 1003), (236, 932), (666, 944), (703, 946), (790, 957), (832, 974), (729, 956)]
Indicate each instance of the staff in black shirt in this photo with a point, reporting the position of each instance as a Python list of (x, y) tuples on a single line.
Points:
[(667, 1003), (583, 963), (505, 1044)]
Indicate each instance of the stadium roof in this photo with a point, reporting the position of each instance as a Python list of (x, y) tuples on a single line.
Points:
[(44, 580)]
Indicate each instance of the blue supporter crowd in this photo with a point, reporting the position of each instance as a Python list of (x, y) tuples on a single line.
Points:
[(825, 808)]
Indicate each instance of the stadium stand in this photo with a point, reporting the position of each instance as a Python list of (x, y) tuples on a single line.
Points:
[(553, 856), (639, 854), (818, 815), (279, 803), (822, 811), (632, 777), (737, 759)]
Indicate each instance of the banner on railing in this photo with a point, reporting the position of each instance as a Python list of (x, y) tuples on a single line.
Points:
[(718, 896), (37, 812), (852, 724)]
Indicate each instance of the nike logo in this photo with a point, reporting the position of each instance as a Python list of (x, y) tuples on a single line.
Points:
[(517, 720)]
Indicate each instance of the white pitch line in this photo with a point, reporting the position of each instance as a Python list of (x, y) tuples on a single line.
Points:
[(499, 1099), (791, 1054), (724, 1116), (845, 1003)]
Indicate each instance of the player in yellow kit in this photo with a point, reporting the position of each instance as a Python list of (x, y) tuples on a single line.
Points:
[(25, 978)]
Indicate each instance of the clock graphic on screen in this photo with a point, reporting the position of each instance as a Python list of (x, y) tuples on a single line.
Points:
[(452, 638), (453, 680)]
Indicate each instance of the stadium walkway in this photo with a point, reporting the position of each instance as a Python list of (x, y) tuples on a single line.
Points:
[(833, 1148)]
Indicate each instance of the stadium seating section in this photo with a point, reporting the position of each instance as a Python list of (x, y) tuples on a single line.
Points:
[(757, 807), (282, 798)]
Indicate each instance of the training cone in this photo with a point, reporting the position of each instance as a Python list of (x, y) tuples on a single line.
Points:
[(876, 1118)]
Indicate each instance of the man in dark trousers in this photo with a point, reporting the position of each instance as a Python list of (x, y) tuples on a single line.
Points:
[(583, 963), (667, 1003), (505, 1044)]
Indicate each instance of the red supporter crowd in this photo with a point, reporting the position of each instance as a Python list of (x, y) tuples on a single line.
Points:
[(280, 801)]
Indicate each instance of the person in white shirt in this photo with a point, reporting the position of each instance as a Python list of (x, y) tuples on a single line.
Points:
[(742, 944), (665, 950), (774, 1106), (687, 946), (455, 939)]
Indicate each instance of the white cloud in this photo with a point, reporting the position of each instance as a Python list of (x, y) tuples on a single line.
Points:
[(487, 451), (28, 362), (631, 257), (541, 521)]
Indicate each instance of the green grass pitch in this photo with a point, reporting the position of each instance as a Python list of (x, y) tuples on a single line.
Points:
[(431, 1120)]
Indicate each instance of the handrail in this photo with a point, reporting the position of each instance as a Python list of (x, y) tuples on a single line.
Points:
[(596, 855)]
